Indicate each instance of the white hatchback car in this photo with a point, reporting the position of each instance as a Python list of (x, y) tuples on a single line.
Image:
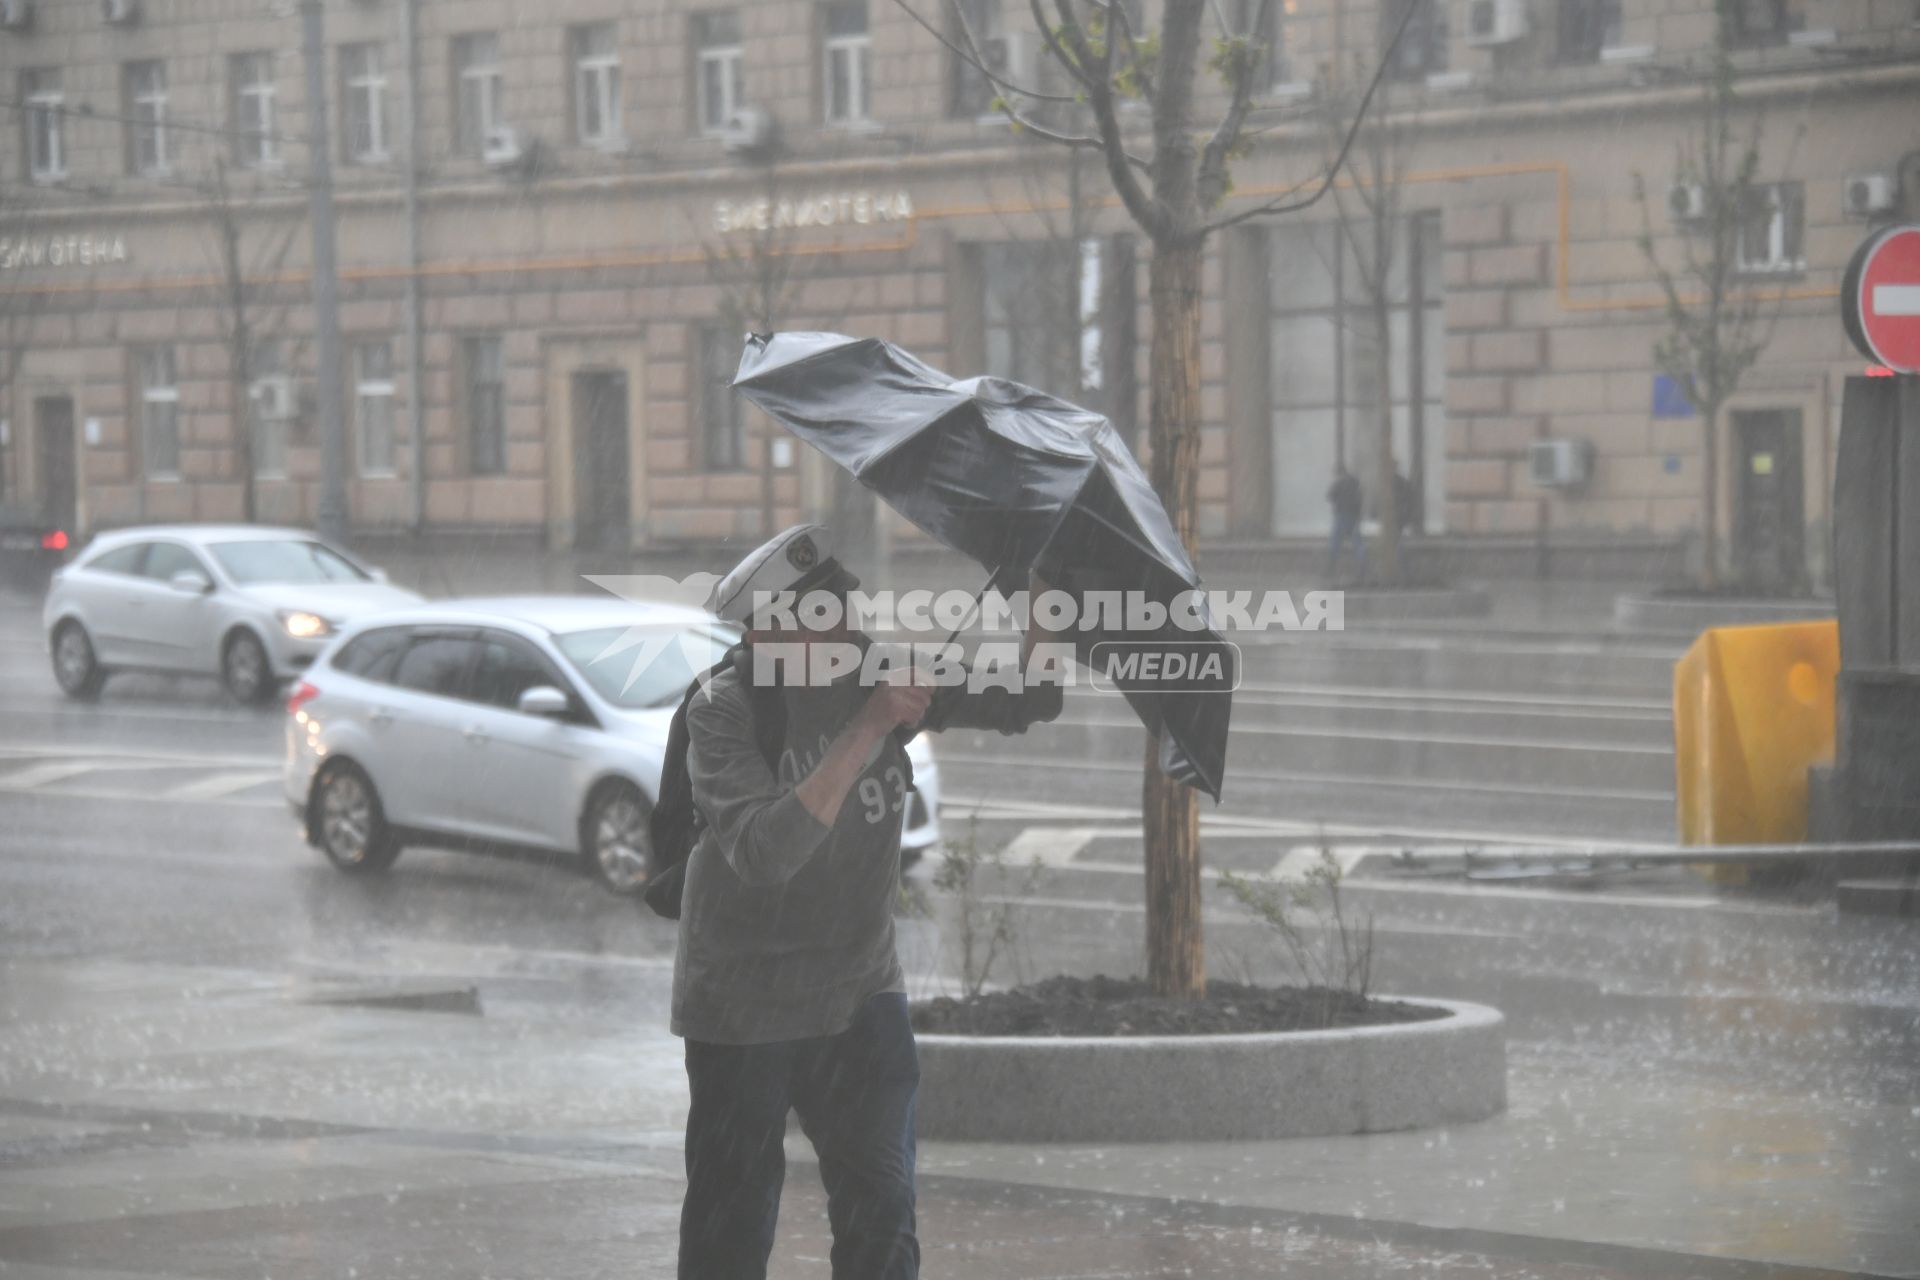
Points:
[(249, 604), (533, 725)]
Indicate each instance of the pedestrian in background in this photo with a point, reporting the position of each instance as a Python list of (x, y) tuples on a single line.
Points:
[(1344, 497)]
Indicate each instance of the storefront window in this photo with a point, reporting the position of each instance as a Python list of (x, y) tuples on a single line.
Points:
[(159, 412), (486, 406)]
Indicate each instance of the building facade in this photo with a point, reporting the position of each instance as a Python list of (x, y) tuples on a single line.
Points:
[(554, 224)]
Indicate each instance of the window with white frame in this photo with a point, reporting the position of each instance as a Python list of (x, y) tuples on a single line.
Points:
[(1772, 225), (254, 106), (596, 85), (1266, 23), (268, 414), (159, 412), (847, 56), (363, 104), (45, 116), (486, 403), (973, 91), (478, 90), (146, 111), (373, 406), (1587, 27), (719, 68)]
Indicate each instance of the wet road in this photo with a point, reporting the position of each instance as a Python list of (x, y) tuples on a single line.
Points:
[(220, 1054)]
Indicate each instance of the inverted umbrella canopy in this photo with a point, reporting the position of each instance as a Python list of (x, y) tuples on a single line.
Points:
[(1013, 477)]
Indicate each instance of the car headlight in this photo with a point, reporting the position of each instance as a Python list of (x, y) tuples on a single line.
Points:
[(302, 625)]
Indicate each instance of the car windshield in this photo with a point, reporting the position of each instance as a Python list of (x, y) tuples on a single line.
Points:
[(644, 666), (294, 560)]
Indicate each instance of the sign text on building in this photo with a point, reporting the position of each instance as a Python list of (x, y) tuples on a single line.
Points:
[(831, 209), (83, 250)]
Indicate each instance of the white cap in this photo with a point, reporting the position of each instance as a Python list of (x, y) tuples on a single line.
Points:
[(794, 560)]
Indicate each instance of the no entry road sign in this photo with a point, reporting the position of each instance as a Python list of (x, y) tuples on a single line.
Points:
[(1880, 299)]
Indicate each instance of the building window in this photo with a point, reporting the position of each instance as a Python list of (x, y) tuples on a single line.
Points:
[(146, 110), (1036, 314), (159, 412), (719, 65), (723, 428), (478, 88), (1422, 52), (373, 407), (1272, 36), (45, 116), (1761, 22), (596, 86), (1771, 229), (363, 104), (270, 412), (973, 93), (1324, 368), (847, 53), (486, 406), (1587, 27), (255, 144)]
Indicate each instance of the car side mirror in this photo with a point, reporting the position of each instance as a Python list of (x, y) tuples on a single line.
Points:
[(378, 574), (191, 582), (545, 700)]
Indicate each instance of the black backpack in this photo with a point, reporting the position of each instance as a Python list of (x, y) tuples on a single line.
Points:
[(675, 825)]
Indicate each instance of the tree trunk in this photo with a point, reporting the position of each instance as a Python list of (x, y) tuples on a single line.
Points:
[(1170, 821), (1386, 481), (1710, 496)]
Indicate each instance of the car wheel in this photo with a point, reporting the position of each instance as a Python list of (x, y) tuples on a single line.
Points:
[(615, 840), (74, 665), (244, 669), (347, 821)]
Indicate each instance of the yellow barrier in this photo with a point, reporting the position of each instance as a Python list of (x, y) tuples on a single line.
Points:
[(1752, 710)]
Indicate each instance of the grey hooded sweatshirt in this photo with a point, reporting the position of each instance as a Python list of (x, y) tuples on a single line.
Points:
[(786, 924)]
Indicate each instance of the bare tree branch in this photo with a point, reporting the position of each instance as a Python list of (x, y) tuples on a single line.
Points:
[(1213, 161), (1148, 210), (1281, 203)]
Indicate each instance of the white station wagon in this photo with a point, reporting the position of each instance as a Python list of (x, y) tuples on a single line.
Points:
[(531, 725), (248, 604)]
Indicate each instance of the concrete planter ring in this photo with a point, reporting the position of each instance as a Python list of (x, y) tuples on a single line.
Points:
[(1293, 1084)]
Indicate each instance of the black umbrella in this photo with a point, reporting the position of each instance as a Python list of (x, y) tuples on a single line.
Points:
[(1015, 478)]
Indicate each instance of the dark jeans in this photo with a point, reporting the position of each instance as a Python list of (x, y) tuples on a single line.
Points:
[(854, 1094)]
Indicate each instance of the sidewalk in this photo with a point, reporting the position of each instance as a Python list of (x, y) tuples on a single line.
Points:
[(190, 1122)]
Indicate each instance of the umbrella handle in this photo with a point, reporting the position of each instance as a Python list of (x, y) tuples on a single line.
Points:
[(903, 735)]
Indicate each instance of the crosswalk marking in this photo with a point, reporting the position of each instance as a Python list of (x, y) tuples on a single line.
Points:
[(222, 784)]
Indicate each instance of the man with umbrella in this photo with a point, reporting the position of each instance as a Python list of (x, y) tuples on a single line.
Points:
[(787, 987)]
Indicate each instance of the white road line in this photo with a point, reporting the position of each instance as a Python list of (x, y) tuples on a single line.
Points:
[(40, 775), (1025, 763), (156, 757), (223, 784), (143, 797)]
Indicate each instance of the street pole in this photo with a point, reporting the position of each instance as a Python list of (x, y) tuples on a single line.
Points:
[(331, 517)]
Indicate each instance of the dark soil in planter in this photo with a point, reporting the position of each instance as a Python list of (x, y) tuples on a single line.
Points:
[(1102, 1006)]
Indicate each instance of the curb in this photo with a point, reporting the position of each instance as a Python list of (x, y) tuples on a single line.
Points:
[(1300, 1084)]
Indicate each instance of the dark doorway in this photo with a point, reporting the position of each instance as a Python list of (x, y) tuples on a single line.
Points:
[(56, 478), (1768, 520), (604, 510)]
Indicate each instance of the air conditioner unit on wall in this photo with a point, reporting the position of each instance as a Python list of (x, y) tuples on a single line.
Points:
[(748, 129), (119, 13), (502, 146), (1491, 22), (1560, 464), (16, 15), (1011, 58), (1687, 201), (1869, 194), (275, 399)]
